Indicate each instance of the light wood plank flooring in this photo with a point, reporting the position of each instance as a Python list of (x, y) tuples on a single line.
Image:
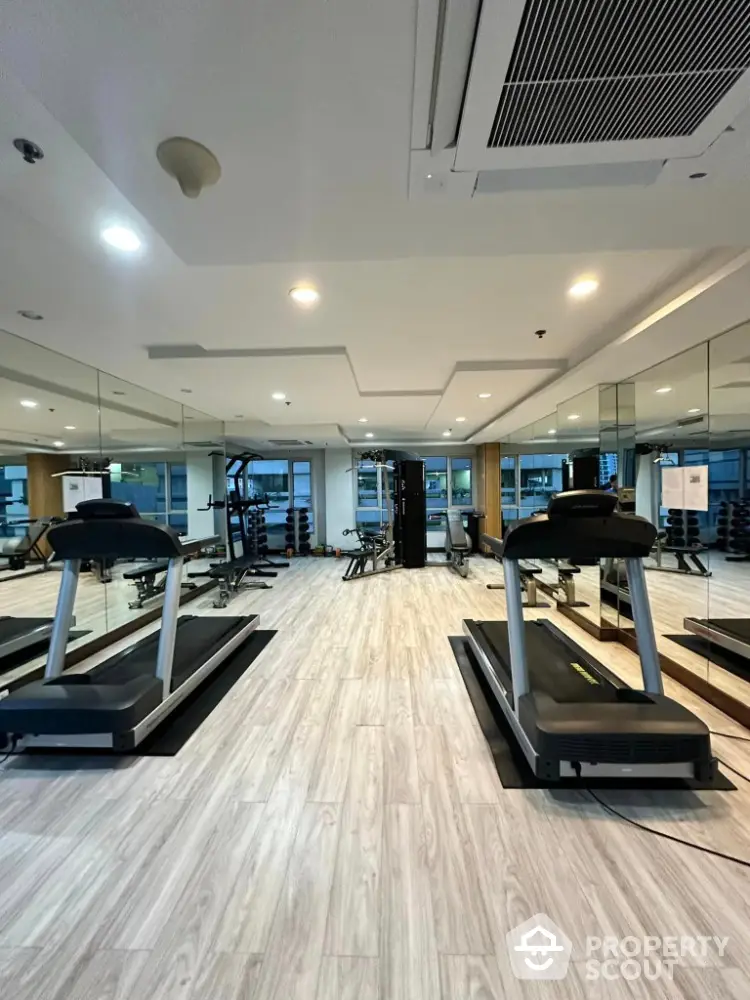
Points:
[(336, 831)]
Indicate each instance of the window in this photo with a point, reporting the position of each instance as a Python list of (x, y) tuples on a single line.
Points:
[(158, 490), (460, 482), (302, 488), (541, 479), (13, 500)]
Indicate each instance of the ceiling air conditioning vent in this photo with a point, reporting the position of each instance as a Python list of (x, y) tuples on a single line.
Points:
[(612, 72), (288, 443), (602, 81)]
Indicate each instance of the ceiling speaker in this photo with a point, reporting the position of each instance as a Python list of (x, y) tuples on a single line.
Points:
[(191, 164)]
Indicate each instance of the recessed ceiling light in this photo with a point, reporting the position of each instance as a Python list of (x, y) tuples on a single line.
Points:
[(429, 177), (485, 395), (69, 427), (117, 392), (665, 388), (30, 404), (304, 295), (583, 287), (238, 416), (59, 444), (697, 176), (121, 238), (695, 409), (369, 434), (574, 416), (363, 420), (278, 395), (188, 391), (552, 430), (460, 420), (446, 434), (30, 314)]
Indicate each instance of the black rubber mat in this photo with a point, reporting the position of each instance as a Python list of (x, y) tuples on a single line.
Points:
[(511, 765), (737, 665), (169, 738)]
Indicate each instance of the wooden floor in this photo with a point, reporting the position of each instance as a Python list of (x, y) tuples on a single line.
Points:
[(336, 831)]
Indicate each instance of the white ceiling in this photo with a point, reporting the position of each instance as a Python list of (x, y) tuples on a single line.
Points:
[(308, 104)]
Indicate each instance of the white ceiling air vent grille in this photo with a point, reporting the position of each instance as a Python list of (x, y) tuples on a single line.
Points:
[(567, 82), (288, 443), (614, 71)]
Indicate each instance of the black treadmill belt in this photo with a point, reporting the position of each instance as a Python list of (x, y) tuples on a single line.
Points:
[(12, 628), (197, 639), (564, 673), (735, 628)]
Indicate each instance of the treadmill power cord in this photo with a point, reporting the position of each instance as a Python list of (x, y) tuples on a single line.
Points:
[(12, 752), (657, 833)]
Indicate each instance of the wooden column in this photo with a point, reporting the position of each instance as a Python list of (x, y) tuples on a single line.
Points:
[(488, 488), (45, 492)]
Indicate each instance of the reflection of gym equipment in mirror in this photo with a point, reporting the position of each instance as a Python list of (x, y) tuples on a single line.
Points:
[(245, 521), (19, 550), (563, 590), (680, 538), (117, 703)]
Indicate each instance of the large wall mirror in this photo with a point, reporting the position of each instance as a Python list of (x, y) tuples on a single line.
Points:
[(69, 432)]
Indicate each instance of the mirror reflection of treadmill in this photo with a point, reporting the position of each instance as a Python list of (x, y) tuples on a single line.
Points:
[(732, 634), (115, 704)]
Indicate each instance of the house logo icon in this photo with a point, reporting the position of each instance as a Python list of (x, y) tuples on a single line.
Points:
[(538, 949)]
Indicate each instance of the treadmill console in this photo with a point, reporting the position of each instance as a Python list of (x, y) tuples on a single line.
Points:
[(582, 503)]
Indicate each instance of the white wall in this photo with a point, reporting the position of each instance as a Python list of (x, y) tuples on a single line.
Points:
[(200, 482), (339, 496)]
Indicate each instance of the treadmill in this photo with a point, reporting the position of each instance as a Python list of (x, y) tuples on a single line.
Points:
[(117, 703), (732, 634), (571, 716), (21, 634)]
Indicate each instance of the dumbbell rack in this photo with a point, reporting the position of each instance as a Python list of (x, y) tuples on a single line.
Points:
[(298, 530), (734, 529), (682, 540)]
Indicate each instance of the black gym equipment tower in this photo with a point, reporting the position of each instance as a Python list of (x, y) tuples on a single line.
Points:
[(571, 716), (117, 703)]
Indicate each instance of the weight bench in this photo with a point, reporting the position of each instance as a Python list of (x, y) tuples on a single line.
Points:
[(564, 591), (681, 553), (231, 577), (529, 574), (457, 546), (144, 578)]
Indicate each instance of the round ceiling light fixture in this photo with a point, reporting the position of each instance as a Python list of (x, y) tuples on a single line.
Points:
[(69, 427), (363, 420), (278, 396), (59, 444), (30, 314), (30, 404), (552, 430), (460, 420), (664, 388), (121, 238), (304, 295), (694, 409), (369, 434), (446, 434), (583, 287), (574, 416), (484, 395), (191, 164)]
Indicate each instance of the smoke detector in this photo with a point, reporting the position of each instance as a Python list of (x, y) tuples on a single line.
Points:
[(191, 164)]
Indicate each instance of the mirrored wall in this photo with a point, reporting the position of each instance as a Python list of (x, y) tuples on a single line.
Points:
[(69, 432)]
